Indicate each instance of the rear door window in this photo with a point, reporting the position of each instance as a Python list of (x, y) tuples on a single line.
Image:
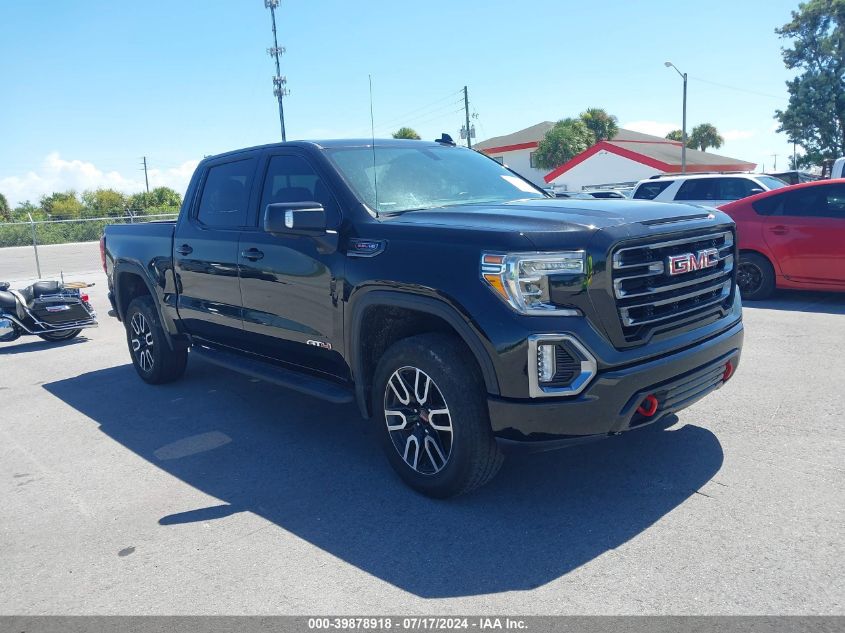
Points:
[(812, 202), (736, 188), (225, 194), (650, 190), (699, 189)]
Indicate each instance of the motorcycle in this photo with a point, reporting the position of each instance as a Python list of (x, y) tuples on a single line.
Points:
[(52, 310)]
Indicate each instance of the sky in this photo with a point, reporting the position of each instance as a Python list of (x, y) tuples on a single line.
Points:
[(89, 87)]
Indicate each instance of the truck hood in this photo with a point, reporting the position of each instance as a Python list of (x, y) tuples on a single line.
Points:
[(551, 223)]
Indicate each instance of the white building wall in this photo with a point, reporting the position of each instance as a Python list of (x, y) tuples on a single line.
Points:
[(602, 168), (519, 160)]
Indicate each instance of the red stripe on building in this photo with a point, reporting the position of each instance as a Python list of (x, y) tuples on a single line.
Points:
[(676, 169), (613, 149), (510, 148)]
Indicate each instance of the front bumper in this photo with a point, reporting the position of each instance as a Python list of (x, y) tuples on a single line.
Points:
[(609, 404)]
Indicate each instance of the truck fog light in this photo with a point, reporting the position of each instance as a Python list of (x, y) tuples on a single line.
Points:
[(558, 365), (546, 362)]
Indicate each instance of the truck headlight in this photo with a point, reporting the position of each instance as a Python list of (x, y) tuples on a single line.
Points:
[(522, 279)]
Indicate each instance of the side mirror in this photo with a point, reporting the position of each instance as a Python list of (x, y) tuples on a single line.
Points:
[(755, 190), (295, 218)]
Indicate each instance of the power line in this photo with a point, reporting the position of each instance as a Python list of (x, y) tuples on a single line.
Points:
[(721, 85), (453, 96), (423, 116), (424, 110), (439, 116)]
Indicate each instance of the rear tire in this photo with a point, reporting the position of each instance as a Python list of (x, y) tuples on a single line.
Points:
[(429, 391), (152, 356), (55, 337), (755, 277)]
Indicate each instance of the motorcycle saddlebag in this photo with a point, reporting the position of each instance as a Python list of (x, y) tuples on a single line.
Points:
[(59, 312)]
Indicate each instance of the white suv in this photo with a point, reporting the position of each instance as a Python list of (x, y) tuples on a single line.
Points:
[(711, 190)]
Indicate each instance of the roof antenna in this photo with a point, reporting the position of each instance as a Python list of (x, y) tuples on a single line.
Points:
[(445, 139), (373, 134)]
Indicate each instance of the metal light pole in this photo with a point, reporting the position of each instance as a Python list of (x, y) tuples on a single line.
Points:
[(684, 125), (278, 81)]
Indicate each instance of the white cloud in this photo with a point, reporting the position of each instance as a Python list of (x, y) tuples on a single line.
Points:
[(738, 135), (58, 174), (655, 128)]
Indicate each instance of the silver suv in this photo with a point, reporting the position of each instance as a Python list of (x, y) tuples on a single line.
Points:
[(711, 190)]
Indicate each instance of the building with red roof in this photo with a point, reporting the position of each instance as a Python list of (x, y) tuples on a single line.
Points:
[(627, 158)]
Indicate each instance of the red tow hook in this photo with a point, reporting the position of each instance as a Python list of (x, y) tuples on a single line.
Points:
[(729, 371), (649, 406)]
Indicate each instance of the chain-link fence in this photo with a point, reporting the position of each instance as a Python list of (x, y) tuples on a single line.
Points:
[(37, 233), (41, 232)]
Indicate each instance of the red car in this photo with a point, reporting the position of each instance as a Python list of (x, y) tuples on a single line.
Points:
[(791, 238)]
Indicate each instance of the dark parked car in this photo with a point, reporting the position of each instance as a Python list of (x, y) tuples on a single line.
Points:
[(462, 308), (794, 177)]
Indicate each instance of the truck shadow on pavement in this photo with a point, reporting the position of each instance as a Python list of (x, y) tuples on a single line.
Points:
[(316, 470)]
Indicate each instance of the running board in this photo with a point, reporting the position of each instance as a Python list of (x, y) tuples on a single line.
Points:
[(303, 383)]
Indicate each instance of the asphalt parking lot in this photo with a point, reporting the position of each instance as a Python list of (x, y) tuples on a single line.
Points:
[(223, 495)]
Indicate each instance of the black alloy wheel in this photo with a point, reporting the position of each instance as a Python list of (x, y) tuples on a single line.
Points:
[(755, 277), (418, 420), (155, 360)]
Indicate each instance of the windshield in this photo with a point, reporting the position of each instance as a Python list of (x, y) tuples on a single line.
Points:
[(771, 182), (400, 179)]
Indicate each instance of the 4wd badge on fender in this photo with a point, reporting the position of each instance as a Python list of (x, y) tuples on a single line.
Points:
[(690, 262)]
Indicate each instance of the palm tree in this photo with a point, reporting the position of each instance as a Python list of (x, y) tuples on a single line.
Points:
[(604, 126), (704, 136), (675, 135)]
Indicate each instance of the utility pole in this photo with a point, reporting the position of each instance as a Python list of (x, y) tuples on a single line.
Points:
[(466, 112), (775, 156), (146, 179), (279, 81), (684, 124), (467, 132)]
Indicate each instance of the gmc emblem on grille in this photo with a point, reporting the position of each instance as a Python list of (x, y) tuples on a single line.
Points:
[(690, 262)]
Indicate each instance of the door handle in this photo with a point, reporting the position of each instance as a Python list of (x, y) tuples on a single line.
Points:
[(252, 254), (185, 249), (780, 229)]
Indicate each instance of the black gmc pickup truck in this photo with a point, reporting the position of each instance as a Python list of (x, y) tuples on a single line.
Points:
[(461, 307)]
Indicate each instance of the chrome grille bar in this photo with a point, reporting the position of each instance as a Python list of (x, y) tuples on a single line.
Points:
[(728, 262), (640, 274)]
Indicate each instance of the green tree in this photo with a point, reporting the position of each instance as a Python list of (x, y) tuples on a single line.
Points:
[(406, 132), (102, 203), (22, 212), (566, 139), (159, 200), (5, 210), (62, 205), (675, 135), (604, 126), (704, 136), (165, 197), (815, 115)]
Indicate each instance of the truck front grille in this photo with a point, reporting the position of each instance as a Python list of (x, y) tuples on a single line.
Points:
[(649, 297)]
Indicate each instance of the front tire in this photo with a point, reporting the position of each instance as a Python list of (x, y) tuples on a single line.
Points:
[(152, 357), (429, 402), (55, 337), (755, 277)]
